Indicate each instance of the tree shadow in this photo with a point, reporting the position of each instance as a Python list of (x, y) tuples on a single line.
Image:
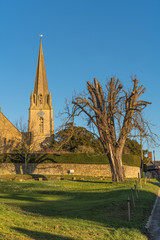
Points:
[(18, 167), (107, 208), (155, 183), (90, 181), (41, 235), (21, 169), (38, 177), (31, 165)]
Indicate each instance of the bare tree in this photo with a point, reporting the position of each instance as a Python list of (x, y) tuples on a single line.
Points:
[(115, 113)]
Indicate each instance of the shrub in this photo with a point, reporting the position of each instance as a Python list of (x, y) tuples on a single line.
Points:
[(84, 149)]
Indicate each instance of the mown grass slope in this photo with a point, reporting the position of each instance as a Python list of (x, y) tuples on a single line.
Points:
[(72, 210)]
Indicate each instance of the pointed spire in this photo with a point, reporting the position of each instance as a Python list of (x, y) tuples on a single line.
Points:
[(41, 85)]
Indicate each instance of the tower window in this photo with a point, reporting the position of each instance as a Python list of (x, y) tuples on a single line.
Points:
[(41, 125), (4, 141), (1, 143), (40, 99), (34, 98), (48, 99)]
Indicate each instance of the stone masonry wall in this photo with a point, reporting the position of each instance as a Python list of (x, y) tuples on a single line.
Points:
[(64, 169)]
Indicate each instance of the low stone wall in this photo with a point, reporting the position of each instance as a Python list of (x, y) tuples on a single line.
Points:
[(64, 169)]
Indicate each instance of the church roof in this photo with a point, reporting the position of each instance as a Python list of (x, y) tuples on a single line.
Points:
[(6, 125), (41, 85)]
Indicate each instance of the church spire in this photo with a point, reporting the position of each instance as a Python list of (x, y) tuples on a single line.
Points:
[(41, 85), (40, 123)]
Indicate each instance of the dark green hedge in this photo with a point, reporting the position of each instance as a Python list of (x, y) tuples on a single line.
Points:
[(131, 160), (80, 158)]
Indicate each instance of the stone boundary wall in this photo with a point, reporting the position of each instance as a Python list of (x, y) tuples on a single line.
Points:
[(64, 169)]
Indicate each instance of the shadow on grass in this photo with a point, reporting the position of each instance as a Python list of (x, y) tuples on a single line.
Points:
[(41, 235), (38, 176), (90, 181), (105, 206), (156, 183)]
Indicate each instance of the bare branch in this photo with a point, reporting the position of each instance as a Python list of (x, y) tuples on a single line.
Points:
[(112, 110)]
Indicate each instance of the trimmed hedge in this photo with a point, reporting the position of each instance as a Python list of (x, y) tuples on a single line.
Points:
[(79, 158), (131, 160)]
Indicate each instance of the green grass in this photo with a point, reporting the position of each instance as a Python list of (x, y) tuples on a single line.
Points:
[(82, 209)]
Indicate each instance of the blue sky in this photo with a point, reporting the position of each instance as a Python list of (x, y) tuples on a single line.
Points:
[(82, 39)]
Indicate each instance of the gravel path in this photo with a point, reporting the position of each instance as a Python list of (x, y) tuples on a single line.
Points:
[(155, 223)]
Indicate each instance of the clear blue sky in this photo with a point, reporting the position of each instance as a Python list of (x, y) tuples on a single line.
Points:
[(82, 39)]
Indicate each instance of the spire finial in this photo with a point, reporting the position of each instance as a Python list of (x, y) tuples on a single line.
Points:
[(41, 35), (41, 85)]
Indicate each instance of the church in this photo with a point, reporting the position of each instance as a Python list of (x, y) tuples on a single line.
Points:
[(40, 123)]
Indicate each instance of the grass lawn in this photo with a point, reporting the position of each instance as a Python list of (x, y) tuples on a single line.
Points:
[(73, 210)]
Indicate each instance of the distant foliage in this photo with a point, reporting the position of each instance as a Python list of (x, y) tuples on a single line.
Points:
[(134, 148), (75, 139)]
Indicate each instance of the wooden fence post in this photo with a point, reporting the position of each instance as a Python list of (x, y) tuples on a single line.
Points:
[(133, 197), (140, 181), (136, 183), (129, 209), (145, 179), (136, 191)]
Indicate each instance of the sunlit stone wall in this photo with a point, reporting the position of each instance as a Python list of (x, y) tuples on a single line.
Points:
[(65, 169)]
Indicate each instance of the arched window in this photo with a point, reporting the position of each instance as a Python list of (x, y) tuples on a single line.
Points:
[(34, 98), (41, 124), (40, 99), (48, 99), (1, 144)]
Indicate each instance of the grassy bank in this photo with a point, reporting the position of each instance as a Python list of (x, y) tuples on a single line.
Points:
[(71, 210)]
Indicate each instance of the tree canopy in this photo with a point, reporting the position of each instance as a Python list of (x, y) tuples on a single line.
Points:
[(114, 112), (76, 139)]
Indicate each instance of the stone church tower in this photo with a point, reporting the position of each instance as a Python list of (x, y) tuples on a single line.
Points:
[(40, 123)]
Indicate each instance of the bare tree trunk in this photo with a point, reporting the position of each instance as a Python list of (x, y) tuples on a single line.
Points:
[(115, 160)]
